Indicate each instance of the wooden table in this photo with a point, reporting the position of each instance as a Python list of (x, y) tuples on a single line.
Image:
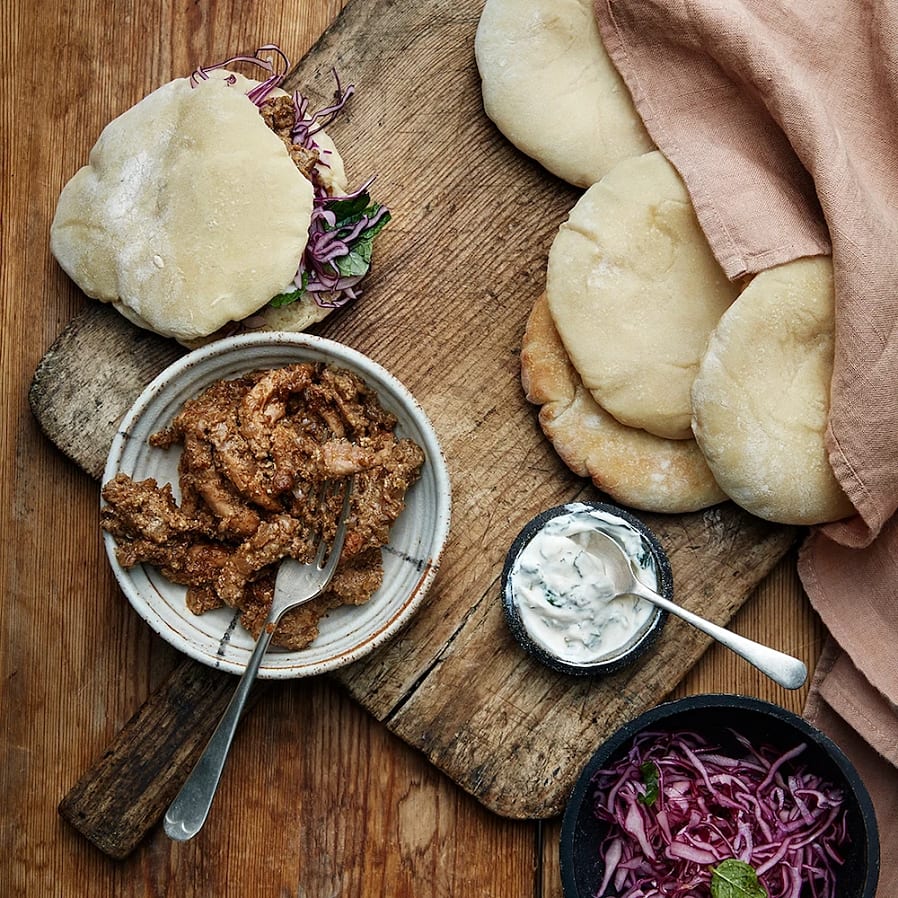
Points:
[(321, 798)]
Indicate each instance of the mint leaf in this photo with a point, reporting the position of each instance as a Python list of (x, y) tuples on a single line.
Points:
[(733, 878), (284, 299), (349, 210), (650, 775), (358, 260), (376, 228), (291, 296)]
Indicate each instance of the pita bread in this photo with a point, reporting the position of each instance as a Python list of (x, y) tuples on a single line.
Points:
[(552, 90), (761, 396), (632, 466), (190, 213), (635, 292)]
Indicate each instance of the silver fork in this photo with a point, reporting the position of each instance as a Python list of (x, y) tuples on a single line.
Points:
[(296, 584)]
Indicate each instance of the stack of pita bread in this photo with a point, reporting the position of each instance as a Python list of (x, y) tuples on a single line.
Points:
[(668, 385)]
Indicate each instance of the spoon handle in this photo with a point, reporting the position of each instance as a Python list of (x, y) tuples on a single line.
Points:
[(187, 813), (781, 668)]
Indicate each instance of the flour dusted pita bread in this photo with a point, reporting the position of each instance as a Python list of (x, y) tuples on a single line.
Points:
[(551, 88), (632, 466), (308, 310), (635, 292), (190, 214), (761, 396)]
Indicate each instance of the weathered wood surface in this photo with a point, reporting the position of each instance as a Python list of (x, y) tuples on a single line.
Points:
[(454, 685), (122, 797), (320, 798)]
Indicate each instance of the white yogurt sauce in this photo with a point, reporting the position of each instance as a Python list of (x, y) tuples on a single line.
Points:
[(563, 592)]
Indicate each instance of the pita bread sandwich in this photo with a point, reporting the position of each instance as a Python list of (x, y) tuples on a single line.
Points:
[(218, 203)]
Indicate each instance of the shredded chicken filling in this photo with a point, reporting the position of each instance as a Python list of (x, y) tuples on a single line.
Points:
[(255, 452), (279, 114)]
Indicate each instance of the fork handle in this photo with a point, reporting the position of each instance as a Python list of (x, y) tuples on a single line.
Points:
[(187, 813)]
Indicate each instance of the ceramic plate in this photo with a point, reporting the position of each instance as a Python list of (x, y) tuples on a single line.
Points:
[(410, 559)]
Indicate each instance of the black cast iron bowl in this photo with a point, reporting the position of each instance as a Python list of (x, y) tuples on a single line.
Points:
[(713, 716), (615, 660)]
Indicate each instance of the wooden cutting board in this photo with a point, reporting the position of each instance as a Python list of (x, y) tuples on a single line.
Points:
[(455, 275)]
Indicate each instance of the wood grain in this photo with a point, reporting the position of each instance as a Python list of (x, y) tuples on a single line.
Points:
[(321, 798), (125, 793), (516, 735)]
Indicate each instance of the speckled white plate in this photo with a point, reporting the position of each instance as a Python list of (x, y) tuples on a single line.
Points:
[(410, 559)]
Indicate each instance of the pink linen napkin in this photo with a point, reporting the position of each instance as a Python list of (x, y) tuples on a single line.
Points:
[(782, 119)]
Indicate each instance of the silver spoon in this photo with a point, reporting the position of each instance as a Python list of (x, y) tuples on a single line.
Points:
[(781, 668)]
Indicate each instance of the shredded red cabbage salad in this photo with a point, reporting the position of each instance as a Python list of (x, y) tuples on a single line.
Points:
[(684, 814), (342, 229)]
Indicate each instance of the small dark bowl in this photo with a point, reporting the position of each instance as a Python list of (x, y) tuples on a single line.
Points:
[(627, 654), (713, 716)]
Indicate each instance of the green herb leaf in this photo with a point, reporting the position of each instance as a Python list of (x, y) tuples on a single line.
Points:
[(349, 210), (733, 878), (358, 260), (375, 229), (284, 299), (291, 296), (650, 774)]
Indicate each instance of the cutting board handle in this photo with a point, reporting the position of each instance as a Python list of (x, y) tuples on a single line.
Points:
[(125, 793)]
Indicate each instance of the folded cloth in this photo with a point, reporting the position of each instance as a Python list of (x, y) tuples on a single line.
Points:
[(780, 117), (839, 704)]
